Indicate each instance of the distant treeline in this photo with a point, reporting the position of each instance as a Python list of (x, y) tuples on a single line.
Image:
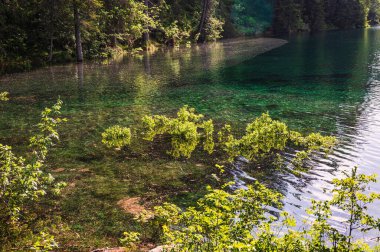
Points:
[(34, 32), (317, 15)]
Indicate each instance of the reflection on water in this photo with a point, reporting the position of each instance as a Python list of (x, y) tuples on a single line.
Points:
[(328, 82), (347, 102)]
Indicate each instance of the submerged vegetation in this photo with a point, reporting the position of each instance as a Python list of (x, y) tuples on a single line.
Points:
[(223, 219), (244, 219), (265, 139)]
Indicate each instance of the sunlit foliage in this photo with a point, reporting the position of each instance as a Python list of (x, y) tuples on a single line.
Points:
[(36, 32), (4, 96), (265, 137), (221, 220), (185, 131), (23, 181), (44, 242), (352, 194), (242, 220), (116, 136)]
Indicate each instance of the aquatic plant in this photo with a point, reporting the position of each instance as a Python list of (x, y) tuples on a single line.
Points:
[(116, 136), (182, 130), (185, 131), (265, 139)]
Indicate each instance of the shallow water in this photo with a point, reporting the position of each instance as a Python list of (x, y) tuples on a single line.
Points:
[(327, 82)]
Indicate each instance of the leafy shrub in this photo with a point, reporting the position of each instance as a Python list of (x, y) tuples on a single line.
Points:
[(214, 28), (241, 220), (220, 221), (4, 96), (23, 181), (352, 194), (174, 34), (129, 239), (265, 137), (44, 139), (184, 131), (44, 242), (116, 136)]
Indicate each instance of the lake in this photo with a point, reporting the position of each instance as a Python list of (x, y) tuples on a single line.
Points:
[(326, 82)]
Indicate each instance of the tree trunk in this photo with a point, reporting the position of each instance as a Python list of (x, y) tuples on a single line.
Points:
[(81, 96), (51, 50), (146, 34), (50, 25), (206, 9), (78, 39), (111, 25)]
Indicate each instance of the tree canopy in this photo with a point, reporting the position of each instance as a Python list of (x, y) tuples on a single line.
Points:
[(36, 32)]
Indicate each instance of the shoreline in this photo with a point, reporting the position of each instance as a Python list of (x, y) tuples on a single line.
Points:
[(235, 49)]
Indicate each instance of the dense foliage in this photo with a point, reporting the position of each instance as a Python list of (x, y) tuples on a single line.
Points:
[(117, 136), (184, 131), (244, 220), (266, 137), (265, 140), (316, 15), (252, 16), (36, 32)]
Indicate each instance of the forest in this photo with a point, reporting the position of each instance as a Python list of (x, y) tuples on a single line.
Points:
[(38, 32)]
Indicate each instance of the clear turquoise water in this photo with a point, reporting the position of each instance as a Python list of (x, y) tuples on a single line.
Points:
[(328, 82)]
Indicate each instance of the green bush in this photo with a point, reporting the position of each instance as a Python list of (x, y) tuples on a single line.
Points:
[(265, 139), (23, 181), (242, 221), (221, 221), (116, 136), (185, 131)]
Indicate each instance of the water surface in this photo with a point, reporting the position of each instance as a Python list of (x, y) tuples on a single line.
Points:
[(327, 82)]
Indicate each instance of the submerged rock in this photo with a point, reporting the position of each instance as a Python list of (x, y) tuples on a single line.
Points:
[(131, 205)]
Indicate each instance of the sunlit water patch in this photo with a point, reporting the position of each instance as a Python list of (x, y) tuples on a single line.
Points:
[(348, 103)]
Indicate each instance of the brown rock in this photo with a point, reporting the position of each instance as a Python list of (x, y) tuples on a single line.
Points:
[(120, 249), (71, 185), (58, 170), (131, 205), (83, 170)]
